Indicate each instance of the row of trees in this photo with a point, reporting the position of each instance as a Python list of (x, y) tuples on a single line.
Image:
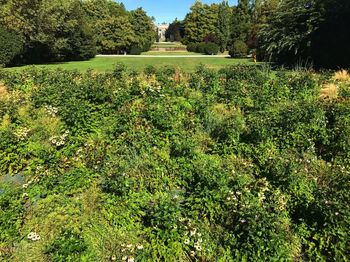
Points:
[(34, 31), (282, 31), (232, 28)]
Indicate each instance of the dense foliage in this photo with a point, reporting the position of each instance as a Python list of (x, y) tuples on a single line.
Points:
[(243, 164), (308, 32), (10, 46), (285, 32), (63, 30), (203, 48), (175, 31)]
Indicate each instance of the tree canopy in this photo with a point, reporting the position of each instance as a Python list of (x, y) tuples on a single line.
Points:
[(62, 30)]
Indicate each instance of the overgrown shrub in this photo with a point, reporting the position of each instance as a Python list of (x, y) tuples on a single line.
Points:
[(238, 164)]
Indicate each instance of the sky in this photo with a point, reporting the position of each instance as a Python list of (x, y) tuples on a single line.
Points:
[(166, 10)]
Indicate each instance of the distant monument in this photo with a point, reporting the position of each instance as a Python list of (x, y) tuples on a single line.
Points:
[(161, 29)]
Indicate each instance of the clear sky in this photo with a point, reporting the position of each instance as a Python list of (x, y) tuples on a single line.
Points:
[(166, 10)]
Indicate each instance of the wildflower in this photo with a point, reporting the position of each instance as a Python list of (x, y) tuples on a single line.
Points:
[(139, 247), (200, 240), (181, 219), (131, 259), (25, 186), (242, 221), (192, 232), (187, 241), (113, 258), (192, 253), (25, 195), (198, 248), (336, 213), (129, 246), (124, 258), (33, 236)]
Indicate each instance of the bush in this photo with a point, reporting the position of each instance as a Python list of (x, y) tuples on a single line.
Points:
[(10, 46), (201, 48), (135, 50), (192, 47), (239, 49), (211, 49)]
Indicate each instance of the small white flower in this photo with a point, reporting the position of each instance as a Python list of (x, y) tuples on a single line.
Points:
[(131, 259), (124, 258), (113, 258), (198, 248), (33, 236), (192, 253), (192, 232), (139, 247), (25, 186), (129, 246), (187, 241), (25, 195)]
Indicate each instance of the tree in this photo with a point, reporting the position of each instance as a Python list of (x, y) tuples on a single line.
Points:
[(330, 41), (241, 22), (52, 30), (201, 22), (287, 38), (175, 32), (143, 27), (10, 46), (224, 25), (116, 35)]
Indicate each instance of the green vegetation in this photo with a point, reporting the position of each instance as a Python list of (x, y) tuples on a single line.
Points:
[(10, 46), (66, 30), (240, 164), (167, 53), (317, 35), (284, 32), (104, 64)]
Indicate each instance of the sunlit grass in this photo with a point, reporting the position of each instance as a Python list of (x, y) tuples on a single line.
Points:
[(105, 64)]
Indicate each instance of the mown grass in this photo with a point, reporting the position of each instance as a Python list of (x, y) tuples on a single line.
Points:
[(105, 64)]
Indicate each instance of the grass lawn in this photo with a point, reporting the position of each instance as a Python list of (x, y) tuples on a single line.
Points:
[(103, 64), (169, 53)]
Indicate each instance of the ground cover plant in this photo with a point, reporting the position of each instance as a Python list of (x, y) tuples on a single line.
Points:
[(240, 164)]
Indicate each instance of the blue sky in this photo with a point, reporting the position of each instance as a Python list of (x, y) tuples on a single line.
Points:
[(166, 10)]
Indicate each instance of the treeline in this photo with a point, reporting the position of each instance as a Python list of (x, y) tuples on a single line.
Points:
[(33, 31), (288, 32)]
